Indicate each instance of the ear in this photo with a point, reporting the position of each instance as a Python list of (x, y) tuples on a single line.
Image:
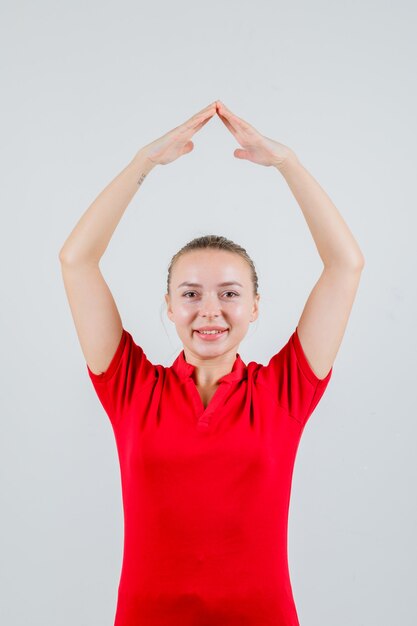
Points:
[(168, 304), (255, 309)]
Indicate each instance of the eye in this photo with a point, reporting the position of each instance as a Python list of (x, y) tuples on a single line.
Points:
[(188, 292)]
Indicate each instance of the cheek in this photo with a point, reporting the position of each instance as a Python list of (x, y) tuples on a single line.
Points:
[(239, 312), (183, 314)]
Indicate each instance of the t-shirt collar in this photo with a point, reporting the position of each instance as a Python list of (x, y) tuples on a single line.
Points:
[(184, 370)]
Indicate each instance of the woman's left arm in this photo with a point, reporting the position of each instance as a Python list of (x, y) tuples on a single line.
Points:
[(325, 315)]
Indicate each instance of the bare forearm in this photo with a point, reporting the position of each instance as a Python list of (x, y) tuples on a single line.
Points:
[(334, 241), (91, 235)]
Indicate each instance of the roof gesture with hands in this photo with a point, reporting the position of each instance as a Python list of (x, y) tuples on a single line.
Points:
[(255, 147)]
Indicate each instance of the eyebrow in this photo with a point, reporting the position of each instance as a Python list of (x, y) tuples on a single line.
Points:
[(226, 284)]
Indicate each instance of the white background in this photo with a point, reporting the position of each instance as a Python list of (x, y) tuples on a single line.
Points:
[(84, 86)]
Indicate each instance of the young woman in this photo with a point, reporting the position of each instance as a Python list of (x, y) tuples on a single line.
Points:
[(207, 446)]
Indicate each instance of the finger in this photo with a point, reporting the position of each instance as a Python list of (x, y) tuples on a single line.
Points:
[(189, 146), (226, 111), (206, 116), (194, 127), (208, 110), (197, 119), (226, 122), (212, 105), (232, 117), (202, 124), (241, 154), (198, 127)]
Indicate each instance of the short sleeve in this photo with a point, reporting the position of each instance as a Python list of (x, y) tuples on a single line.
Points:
[(292, 382), (128, 373)]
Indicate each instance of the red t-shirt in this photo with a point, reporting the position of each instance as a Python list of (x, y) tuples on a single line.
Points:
[(206, 492)]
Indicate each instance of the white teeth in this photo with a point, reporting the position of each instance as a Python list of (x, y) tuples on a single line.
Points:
[(209, 332)]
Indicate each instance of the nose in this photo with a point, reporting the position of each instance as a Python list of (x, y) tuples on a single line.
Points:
[(210, 306)]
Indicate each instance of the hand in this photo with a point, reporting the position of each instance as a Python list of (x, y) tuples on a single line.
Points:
[(256, 147), (177, 142)]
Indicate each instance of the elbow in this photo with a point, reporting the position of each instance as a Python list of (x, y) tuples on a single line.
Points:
[(68, 258), (353, 264), (360, 263), (64, 256)]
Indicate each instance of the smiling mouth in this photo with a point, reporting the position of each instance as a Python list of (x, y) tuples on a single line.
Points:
[(211, 333)]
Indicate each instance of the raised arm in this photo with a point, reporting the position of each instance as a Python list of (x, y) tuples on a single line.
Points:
[(94, 311), (323, 321), (95, 314), (326, 312)]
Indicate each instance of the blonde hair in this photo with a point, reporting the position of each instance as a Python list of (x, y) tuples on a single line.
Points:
[(216, 242)]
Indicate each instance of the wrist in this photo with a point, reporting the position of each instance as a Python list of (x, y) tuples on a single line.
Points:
[(142, 163), (290, 163)]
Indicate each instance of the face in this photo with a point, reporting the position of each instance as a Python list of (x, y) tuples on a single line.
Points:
[(208, 303)]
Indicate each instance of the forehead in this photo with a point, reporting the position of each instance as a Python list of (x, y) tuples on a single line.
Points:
[(206, 266)]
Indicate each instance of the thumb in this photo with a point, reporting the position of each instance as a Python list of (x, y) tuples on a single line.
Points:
[(188, 147), (241, 154)]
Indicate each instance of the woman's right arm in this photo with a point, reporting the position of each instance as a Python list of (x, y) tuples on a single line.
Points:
[(97, 320), (94, 311)]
